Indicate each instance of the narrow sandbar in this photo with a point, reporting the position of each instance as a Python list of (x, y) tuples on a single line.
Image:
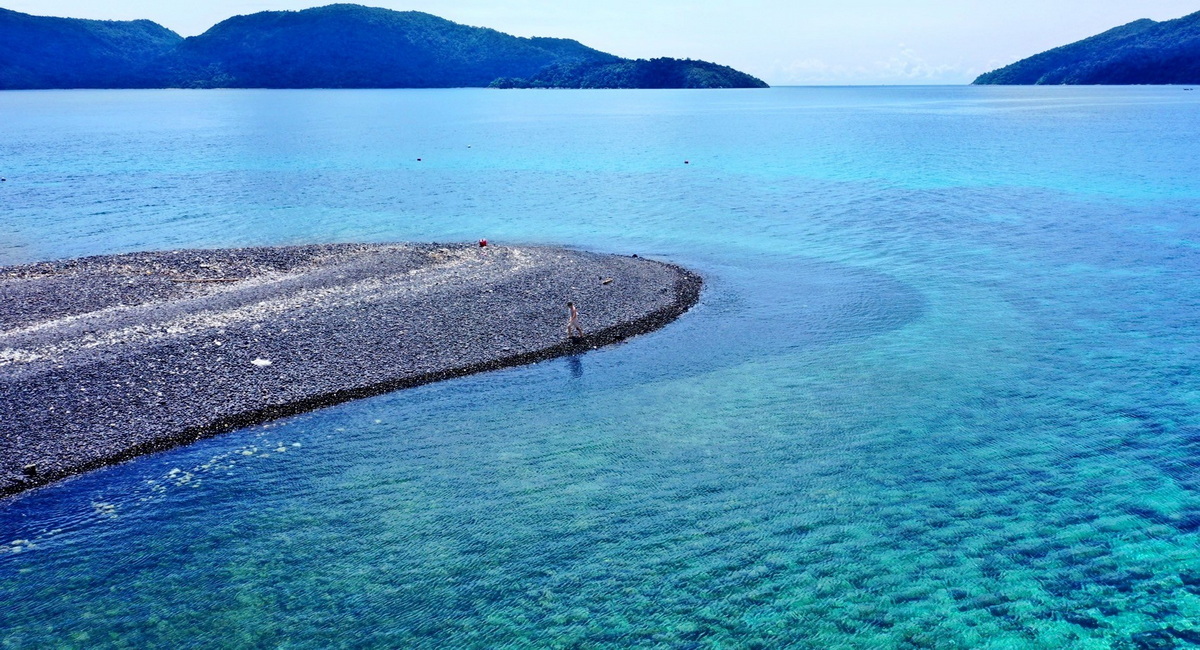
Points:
[(106, 358)]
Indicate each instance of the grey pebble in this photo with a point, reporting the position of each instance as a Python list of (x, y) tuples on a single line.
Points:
[(127, 340)]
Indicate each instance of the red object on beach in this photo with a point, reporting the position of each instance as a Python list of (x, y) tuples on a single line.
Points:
[(483, 243)]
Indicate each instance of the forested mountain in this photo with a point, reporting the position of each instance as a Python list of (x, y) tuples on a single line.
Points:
[(1142, 52), (43, 52), (654, 73), (348, 46), (337, 46)]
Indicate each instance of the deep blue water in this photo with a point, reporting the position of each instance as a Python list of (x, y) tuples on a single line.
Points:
[(941, 390)]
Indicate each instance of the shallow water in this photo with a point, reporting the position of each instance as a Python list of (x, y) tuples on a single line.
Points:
[(940, 391)]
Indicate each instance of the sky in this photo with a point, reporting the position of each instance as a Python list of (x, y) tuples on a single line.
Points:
[(783, 42)]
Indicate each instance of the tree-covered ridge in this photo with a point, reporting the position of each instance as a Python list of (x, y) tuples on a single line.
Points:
[(1142, 52), (44, 52), (349, 46), (641, 73), (336, 46)]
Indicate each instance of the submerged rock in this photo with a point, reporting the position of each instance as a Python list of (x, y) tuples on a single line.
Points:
[(1153, 640)]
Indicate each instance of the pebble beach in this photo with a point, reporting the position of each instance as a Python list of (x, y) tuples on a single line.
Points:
[(109, 357)]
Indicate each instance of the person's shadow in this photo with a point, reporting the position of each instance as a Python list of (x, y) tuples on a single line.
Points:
[(575, 365)]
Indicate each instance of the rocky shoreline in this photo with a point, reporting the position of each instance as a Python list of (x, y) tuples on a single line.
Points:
[(106, 358)]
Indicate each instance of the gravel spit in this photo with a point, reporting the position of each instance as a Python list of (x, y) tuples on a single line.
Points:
[(110, 357)]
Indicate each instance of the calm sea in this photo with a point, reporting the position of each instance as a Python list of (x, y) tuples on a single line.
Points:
[(942, 390)]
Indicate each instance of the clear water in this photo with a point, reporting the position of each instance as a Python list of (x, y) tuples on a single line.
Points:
[(941, 391)]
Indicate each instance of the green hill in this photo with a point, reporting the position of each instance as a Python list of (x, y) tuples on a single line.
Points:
[(1142, 52), (337, 46), (349, 46), (654, 73), (44, 52)]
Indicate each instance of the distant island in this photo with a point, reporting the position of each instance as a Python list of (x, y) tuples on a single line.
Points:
[(623, 73), (337, 46), (1142, 52)]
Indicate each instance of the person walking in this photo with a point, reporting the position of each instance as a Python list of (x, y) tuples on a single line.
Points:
[(573, 328)]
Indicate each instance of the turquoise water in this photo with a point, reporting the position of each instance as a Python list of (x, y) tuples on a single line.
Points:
[(941, 390)]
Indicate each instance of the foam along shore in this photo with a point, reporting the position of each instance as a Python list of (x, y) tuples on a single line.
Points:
[(106, 358)]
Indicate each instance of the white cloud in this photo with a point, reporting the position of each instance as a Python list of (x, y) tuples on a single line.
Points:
[(908, 66), (903, 66)]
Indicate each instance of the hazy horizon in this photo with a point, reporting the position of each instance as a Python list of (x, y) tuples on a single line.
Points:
[(853, 42)]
